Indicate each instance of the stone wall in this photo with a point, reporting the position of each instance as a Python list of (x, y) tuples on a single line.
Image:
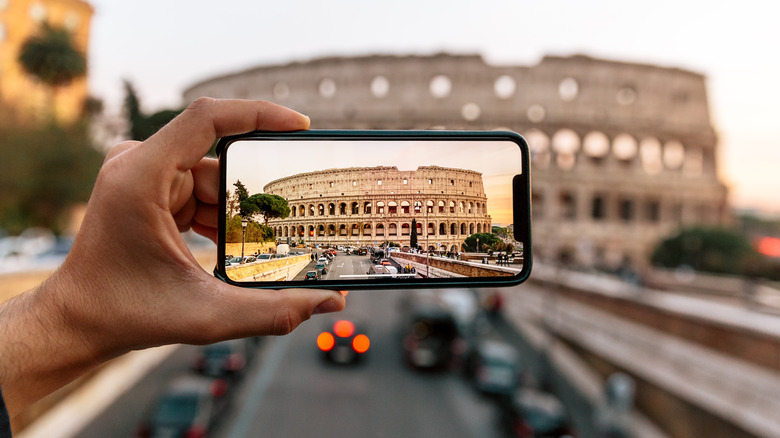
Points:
[(371, 205), (452, 268)]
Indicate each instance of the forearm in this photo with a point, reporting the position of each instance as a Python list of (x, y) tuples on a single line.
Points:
[(40, 349)]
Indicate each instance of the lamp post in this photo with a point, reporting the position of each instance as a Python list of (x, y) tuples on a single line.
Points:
[(244, 223)]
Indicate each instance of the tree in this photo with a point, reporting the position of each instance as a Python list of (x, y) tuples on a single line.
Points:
[(413, 236), (51, 57), (241, 195), (143, 126), (270, 206), (714, 250), (46, 170), (486, 241)]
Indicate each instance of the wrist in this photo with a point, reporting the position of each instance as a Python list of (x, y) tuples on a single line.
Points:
[(33, 326)]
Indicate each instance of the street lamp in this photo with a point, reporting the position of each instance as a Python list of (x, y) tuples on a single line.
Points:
[(244, 223)]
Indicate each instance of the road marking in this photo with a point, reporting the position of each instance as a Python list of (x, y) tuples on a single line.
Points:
[(259, 387)]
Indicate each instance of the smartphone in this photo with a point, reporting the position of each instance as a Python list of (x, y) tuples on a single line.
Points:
[(374, 209)]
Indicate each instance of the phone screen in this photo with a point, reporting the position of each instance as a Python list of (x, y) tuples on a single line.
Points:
[(365, 210)]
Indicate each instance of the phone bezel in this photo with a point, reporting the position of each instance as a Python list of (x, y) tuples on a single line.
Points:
[(521, 198)]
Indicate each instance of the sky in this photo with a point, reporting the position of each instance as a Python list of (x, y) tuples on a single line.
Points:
[(164, 46), (497, 161)]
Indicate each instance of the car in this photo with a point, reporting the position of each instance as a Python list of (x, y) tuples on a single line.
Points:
[(311, 275), (266, 256), (222, 359), (495, 368), (321, 268), (322, 260), (431, 340), (342, 342), (187, 408), (531, 413)]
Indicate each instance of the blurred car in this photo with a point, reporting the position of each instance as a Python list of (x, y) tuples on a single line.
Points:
[(495, 368), (431, 339), (223, 359), (321, 269), (312, 275), (530, 413), (187, 408), (343, 343)]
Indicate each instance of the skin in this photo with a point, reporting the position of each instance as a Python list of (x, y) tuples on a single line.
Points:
[(130, 282)]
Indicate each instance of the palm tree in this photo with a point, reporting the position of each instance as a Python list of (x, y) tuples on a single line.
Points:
[(51, 57)]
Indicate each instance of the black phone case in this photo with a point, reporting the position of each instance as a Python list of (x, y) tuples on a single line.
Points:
[(521, 208)]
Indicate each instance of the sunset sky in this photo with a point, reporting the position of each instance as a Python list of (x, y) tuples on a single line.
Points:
[(164, 46), (498, 162)]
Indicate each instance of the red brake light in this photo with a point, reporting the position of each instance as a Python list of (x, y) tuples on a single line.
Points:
[(195, 432), (361, 343), (325, 341), (236, 362), (218, 388), (343, 329)]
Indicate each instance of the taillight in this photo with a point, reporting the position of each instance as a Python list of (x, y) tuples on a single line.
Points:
[(523, 430), (195, 432), (218, 388), (361, 343), (235, 362), (343, 329), (200, 364), (326, 341)]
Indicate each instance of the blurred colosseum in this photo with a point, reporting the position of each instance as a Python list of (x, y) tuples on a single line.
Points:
[(372, 205), (623, 154)]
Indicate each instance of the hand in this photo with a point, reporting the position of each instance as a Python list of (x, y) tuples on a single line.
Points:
[(130, 282)]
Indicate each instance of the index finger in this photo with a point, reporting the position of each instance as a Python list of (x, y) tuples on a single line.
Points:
[(188, 137)]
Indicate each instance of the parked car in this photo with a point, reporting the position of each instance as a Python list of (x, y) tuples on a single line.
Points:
[(343, 342), (223, 359), (495, 368), (431, 339), (187, 408), (312, 275), (530, 413)]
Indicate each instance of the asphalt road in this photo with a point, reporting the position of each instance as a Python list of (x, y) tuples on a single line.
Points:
[(342, 264), (289, 391)]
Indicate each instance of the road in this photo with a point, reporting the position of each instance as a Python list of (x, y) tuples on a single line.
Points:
[(342, 264), (289, 391)]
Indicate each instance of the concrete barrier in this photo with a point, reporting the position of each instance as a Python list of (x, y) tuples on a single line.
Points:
[(284, 269), (443, 267)]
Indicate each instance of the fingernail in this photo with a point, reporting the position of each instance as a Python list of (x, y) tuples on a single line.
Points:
[(327, 306)]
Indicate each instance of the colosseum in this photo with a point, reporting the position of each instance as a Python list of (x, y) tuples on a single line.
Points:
[(372, 205), (623, 154)]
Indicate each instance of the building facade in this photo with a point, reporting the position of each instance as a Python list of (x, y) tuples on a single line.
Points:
[(623, 154), (373, 205), (22, 94)]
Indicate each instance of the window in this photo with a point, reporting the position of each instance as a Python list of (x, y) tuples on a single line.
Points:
[(430, 181), (406, 181), (626, 210), (452, 182), (331, 183), (568, 205), (653, 211), (379, 182), (597, 211), (392, 207), (354, 183)]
